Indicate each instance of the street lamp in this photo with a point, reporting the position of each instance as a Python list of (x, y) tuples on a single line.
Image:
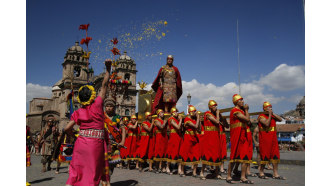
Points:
[(189, 98)]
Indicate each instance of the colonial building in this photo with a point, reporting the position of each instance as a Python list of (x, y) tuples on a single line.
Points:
[(126, 68), (301, 108), (76, 73)]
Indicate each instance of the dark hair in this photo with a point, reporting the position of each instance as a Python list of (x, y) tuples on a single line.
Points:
[(84, 94)]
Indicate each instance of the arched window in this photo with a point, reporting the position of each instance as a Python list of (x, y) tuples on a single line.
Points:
[(127, 112), (76, 71), (127, 76)]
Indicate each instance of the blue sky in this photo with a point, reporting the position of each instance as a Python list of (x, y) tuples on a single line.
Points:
[(200, 34)]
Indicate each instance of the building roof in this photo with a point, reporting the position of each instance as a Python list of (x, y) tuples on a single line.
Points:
[(302, 101), (289, 127), (125, 56), (76, 47)]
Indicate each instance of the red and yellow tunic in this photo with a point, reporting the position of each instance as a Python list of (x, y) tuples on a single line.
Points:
[(138, 137), (173, 146), (268, 144), (239, 138), (223, 144), (160, 142), (151, 148), (131, 140), (142, 150), (190, 147), (210, 143), (123, 151)]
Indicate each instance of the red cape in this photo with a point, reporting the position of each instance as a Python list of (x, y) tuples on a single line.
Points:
[(159, 92)]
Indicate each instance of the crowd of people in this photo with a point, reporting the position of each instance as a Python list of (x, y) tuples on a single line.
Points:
[(106, 140)]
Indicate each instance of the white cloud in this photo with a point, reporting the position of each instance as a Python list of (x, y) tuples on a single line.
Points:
[(37, 91), (285, 78), (202, 93), (295, 98)]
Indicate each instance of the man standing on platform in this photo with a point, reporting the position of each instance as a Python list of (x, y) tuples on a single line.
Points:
[(268, 143), (168, 86), (239, 138)]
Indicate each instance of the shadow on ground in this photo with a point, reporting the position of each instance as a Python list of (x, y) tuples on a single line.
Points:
[(41, 180), (125, 183)]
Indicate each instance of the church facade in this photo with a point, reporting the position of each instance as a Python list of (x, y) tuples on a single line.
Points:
[(75, 73)]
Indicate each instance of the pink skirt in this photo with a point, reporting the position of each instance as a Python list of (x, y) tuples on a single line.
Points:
[(88, 162)]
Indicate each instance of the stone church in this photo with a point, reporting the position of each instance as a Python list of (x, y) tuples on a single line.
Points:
[(75, 74)]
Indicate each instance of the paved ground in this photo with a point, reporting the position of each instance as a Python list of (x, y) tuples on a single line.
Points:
[(295, 175)]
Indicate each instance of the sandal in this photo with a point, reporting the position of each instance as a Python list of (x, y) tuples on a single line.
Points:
[(219, 177), (247, 181), (202, 177), (279, 178), (182, 175), (224, 172), (263, 177), (252, 175), (229, 181)]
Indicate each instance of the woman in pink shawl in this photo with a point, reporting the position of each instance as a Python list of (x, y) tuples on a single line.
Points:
[(88, 153)]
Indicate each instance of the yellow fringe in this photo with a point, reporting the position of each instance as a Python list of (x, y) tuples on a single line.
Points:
[(190, 163), (210, 163), (240, 161), (274, 161), (174, 161), (160, 159)]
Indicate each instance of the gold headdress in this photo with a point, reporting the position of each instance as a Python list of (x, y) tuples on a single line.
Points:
[(158, 111), (191, 108), (266, 104), (236, 97), (173, 110), (212, 103), (147, 114), (133, 116)]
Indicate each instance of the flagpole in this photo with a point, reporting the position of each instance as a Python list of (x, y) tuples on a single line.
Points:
[(238, 62)]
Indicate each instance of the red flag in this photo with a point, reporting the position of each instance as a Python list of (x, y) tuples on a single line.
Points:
[(84, 27), (114, 41), (115, 51), (85, 41)]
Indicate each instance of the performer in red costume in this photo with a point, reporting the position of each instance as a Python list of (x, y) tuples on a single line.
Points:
[(168, 86), (173, 146), (138, 137), (151, 147), (160, 140), (146, 131), (223, 145), (210, 143), (123, 151), (190, 147), (239, 138), (131, 138), (268, 144)]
